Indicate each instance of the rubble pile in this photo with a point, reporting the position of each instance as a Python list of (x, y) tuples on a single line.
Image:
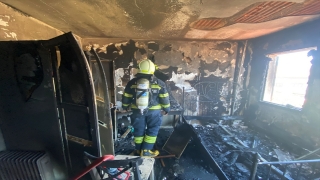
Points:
[(236, 159), (231, 144)]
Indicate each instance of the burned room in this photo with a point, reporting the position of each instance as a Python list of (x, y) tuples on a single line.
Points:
[(159, 90)]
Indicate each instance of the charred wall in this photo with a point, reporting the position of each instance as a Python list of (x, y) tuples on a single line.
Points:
[(297, 126), (204, 69)]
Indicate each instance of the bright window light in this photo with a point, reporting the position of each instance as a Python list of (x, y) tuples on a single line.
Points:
[(287, 78)]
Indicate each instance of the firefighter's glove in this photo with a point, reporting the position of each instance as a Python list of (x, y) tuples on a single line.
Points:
[(164, 113), (127, 108)]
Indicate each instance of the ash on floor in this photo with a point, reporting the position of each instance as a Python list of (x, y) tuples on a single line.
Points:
[(235, 159), (190, 166)]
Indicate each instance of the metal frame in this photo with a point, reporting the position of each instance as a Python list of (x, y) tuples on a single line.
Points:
[(207, 95), (256, 162), (107, 121), (55, 55)]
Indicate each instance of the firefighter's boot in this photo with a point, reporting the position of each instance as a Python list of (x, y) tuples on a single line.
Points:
[(149, 153)]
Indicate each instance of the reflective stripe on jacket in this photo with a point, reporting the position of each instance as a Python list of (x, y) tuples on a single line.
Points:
[(159, 100)]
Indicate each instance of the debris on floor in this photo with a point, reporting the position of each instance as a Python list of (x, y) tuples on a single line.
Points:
[(232, 145), (189, 166)]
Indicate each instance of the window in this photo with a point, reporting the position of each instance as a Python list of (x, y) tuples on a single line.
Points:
[(287, 78)]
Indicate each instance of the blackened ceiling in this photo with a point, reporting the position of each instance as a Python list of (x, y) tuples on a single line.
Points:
[(167, 19)]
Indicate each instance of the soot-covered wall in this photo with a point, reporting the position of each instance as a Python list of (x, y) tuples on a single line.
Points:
[(299, 127), (204, 69)]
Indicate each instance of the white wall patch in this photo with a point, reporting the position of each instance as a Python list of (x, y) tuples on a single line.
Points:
[(119, 73), (3, 23), (180, 80), (14, 35)]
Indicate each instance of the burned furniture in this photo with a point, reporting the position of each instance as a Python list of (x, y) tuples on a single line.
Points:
[(48, 103), (232, 155), (242, 153)]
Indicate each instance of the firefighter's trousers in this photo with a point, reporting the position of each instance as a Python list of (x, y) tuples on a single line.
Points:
[(146, 128)]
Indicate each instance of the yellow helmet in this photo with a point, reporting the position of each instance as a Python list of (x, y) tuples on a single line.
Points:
[(146, 67)]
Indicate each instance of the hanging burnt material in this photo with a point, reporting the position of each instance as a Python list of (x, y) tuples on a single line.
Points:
[(153, 46), (167, 47), (112, 52)]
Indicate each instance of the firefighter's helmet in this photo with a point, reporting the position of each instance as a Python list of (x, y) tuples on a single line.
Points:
[(146, 67)]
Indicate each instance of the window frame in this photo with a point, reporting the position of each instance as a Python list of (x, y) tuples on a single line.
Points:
[(274, 57)]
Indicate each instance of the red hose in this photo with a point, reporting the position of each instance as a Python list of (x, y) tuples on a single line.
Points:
[(93, 165)]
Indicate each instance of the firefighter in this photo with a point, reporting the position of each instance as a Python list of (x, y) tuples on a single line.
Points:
[(148, 99)]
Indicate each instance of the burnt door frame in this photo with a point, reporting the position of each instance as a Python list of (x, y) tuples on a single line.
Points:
[(87, 111), (106, 126)]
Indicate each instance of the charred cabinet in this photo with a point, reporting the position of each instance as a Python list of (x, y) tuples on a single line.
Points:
[(48, 102)]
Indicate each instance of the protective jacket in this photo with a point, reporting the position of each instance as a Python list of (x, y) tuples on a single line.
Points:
[(159, 95)]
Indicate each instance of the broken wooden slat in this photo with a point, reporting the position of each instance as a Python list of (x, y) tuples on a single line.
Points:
[(162, 163)]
